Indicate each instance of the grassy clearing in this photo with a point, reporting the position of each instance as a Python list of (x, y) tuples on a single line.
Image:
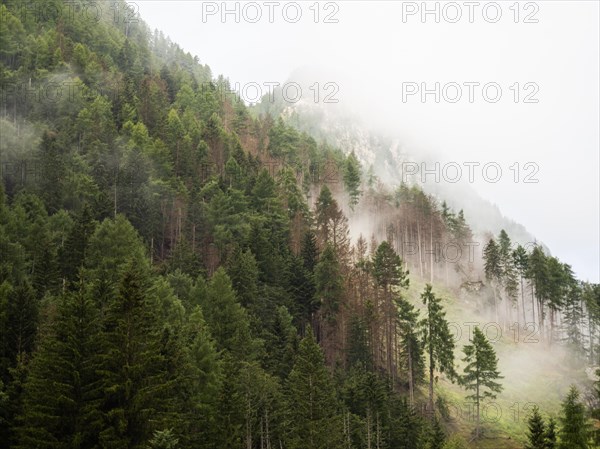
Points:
[(534, 374)]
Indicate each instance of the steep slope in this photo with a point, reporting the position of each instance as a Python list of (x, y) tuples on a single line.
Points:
[(179, 270)]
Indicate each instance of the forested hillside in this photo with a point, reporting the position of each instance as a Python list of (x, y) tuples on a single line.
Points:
[(179, 270)]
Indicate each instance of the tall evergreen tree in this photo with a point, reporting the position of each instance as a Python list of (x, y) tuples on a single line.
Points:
[(481, 372), (61, 392), (493, 269), (389, 276), (521, 260), (574, 432), (536, 436), (72, 255), (132, 383), (329, 290), (312, 410), (411, 345), (228, 321), (352, 179), (551, 435), (437, 438), (438, 341), (332, 225)]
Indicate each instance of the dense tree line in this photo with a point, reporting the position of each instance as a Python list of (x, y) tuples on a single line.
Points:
[(540, 293)]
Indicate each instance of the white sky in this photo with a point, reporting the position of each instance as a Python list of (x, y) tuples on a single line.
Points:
[(370, 52)]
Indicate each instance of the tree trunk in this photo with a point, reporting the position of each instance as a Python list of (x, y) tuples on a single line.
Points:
[(430, 375), (419, 250), (523, 302), (477, 423), (532, 305), (368, 427), (411, 384)]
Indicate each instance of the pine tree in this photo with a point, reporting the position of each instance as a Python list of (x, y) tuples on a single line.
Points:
[(438, 340), (300, 284), (332, 225), (437, 438), (407, 429), (309, 251), (112, 248), (52, 160), (521, 260), (22, 318), (312, 414), (281, 343), (131, 359), (411, 344), (493, 269), (539, 275), (163, 439), (329, 290), (550, 435), (358, 352), (204, 381), (536, 437), (574, 431), (509, 271), (227, 320), (61, 393), (243, 271), (73, 254), (352, 179), (481, 372), (389, 275)]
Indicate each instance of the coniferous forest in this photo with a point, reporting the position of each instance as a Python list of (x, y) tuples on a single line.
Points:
[(179, 270)]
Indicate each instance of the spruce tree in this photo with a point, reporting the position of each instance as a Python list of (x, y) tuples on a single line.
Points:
[(203, 382), (312, 413), (227, 320), (72, 255), (389, 276), (243, 272), (493, 269), (352, 179), (521, 260), (536, 436), (509, 270), (130, 366), (481, 372), (61, 393), (300, 284), (412, 344), (438, 340), (551, 435), (332, 225), (437, 437), (407, 429), (574, 432), (163, 439), (329, 291)]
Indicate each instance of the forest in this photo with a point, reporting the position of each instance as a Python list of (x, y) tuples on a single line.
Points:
[(180, 270)]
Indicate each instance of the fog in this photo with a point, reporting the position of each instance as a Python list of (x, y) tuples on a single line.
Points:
[(378, 53)]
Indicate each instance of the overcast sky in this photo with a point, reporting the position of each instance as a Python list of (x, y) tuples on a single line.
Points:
[(378, 53)]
